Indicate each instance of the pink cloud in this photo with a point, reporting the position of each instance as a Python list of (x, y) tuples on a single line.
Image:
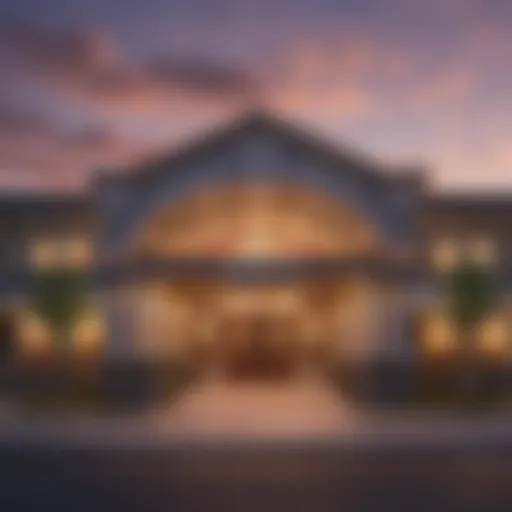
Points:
[(446, 88), (71, 80)]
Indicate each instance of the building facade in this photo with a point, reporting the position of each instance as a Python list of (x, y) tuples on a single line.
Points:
[(256, 250)]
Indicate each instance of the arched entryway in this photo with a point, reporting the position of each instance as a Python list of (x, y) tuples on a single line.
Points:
[(258, 332), (257, 221), (258, 209), (258, 345), (243, 281)]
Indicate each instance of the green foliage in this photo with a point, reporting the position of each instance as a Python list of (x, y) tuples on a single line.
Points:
[(58, 297), (471, 295)]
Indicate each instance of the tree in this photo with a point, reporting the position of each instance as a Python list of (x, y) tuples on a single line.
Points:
[(58, 299), (471, 299)]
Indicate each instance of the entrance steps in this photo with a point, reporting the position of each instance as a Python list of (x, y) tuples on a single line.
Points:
[(302, 408)]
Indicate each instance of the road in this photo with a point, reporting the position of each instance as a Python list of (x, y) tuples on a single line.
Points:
[(255, 478)]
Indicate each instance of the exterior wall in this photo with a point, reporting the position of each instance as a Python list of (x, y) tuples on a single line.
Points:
[(464, 221), (375, 324), (143, 324), (391, 207)]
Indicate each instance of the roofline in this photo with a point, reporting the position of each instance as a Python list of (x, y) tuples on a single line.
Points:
[(181, 154)]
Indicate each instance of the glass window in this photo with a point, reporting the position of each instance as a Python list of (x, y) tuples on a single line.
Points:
[(50, 252), (445, 253), (43, 253), (89, 333), (449, 252), (77, 252), (33, 334), (438, 335), (493, 336)]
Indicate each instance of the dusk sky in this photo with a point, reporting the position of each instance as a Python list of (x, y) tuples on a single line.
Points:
[(92, 83)]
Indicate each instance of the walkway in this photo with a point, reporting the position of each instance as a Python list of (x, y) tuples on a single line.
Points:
[(306, 408)]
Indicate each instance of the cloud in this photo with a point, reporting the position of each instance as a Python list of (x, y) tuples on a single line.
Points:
[(446, 88), (73, 98), (70, 99), (202, 76), (95, 63), (17, 120), (36, 145)]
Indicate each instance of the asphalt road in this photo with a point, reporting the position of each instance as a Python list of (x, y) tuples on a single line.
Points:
[(254, 478)]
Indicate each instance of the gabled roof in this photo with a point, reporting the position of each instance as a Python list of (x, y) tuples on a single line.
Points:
[(252, 122)]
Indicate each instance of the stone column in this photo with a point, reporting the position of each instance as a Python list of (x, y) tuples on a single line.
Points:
[(120, 321), (393, 370), (132, 380)]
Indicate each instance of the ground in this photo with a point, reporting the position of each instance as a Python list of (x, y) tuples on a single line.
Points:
[(290, 409), (298, 448), (249, 479)]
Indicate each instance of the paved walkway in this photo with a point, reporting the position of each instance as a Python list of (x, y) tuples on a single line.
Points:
[(281, 410)]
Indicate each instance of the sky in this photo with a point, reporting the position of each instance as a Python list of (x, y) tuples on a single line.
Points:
[(88, 84)]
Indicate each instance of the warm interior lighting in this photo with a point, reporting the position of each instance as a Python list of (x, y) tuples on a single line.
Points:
[(438, 336), (285, 301), (33, 334), (249, 222), (51, 252), (43, 253), (445, 254), (240, 301), (206, 331), (89, 333), (77, 252), (493, 337)]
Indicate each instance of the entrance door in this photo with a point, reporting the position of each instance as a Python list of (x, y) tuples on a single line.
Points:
[(257, 347)]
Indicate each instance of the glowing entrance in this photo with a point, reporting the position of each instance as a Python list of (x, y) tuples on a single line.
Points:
[(261, 330), (259, 334), (257, 222), (250, 350)]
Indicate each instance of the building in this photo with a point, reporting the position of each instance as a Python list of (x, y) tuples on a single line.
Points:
[(258, 250)]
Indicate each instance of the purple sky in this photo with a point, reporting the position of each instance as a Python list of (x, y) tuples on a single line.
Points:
[(90, 83)]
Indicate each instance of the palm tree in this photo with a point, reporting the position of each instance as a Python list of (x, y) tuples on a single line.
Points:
[(58, 298), (471, 299)]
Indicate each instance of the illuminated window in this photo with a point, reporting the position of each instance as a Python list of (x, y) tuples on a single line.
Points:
[(43, 253), (482, 250), (89, 333), (445, 253), (493, 336), (77, 252), (33, 334), (50, 252), (438, 335)]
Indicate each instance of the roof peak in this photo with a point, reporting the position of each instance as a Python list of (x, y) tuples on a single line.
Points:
[(262, 119)]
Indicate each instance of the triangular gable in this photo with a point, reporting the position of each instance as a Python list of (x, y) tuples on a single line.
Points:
[(258, 122)]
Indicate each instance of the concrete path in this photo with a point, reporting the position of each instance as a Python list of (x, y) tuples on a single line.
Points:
[(262, 410)]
